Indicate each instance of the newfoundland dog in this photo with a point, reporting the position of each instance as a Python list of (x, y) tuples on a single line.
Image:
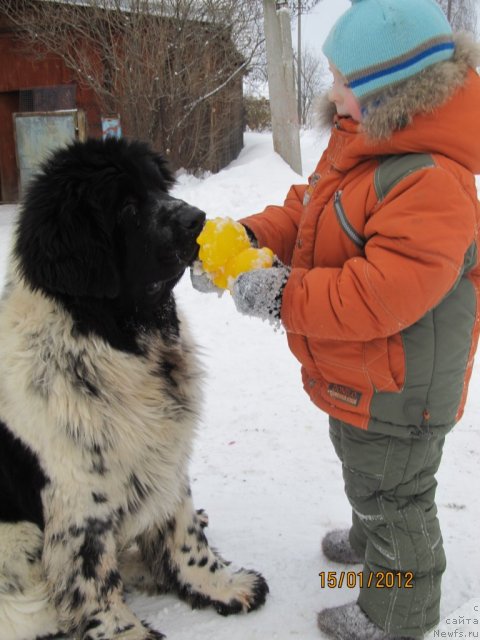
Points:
[(99, 400)]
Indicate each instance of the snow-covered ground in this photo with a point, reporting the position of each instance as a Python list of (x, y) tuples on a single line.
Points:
[(264, 468)]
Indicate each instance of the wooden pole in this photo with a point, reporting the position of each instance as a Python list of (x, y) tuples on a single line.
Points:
[(281, 82), (299, 62)]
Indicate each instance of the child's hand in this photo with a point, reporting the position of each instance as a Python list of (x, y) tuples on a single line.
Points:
[(220, 240), (202, 281), (226, 251), (259, 292)]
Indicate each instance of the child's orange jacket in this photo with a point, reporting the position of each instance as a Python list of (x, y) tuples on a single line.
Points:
[(381, 307)]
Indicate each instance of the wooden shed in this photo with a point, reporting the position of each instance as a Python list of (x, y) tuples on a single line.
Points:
[(44, 85)]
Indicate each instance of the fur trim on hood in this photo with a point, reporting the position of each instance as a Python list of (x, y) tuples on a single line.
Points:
[(394, 108)]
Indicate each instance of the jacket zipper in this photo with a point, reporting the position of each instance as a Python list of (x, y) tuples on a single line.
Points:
[(344, 223)]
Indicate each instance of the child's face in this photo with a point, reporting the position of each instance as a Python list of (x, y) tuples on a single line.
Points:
[(343, 97)]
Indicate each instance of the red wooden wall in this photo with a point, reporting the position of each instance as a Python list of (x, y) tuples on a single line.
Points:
[(20, 69)]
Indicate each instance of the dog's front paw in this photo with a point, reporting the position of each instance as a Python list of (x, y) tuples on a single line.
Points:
[(248, 592), (152, 634), (228, 593), (135, 630)]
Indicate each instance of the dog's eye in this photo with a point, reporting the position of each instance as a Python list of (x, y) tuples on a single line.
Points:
[(129, 213)]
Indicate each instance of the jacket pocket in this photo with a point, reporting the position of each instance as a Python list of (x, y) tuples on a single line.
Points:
[(385, 363)]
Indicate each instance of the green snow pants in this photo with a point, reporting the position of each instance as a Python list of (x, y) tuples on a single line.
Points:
[(390, 484)]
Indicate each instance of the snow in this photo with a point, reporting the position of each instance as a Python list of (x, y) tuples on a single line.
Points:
[(263, 467)]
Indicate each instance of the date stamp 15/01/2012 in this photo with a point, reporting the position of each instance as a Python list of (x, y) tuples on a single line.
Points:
[(370, 580)]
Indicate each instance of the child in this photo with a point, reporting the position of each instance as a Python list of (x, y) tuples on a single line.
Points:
[(378, 293)]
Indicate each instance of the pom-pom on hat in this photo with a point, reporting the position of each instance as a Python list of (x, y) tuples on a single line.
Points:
[(378, 43)]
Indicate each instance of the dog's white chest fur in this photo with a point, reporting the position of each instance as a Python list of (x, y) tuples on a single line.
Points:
[(124, 422)]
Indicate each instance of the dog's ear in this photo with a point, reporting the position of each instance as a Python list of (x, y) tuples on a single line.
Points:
[(164, 170), (64, 238)]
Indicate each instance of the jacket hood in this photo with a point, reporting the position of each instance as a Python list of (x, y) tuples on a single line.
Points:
[(436, 111)]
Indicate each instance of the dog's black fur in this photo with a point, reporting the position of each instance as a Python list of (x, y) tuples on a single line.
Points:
[(100, 233), (99, 396)]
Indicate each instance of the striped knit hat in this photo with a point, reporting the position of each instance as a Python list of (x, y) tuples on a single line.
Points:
[(377, 43)]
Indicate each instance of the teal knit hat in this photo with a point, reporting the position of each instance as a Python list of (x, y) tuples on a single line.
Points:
[(377, 43)]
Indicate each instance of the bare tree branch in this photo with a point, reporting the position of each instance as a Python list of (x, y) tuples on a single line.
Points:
[(302, 6), (313, 83), (462, 14), (160, 64)]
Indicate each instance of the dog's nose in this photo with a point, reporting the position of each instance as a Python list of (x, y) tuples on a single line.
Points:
[(191, 219)]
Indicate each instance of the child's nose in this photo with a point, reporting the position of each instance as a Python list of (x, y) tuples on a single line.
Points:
[(332, 95)]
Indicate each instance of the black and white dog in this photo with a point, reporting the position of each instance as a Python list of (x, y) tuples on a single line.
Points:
[(99, 398)]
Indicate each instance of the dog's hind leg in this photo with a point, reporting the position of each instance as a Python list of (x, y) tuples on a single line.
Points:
[(181, 560), (25, 610)]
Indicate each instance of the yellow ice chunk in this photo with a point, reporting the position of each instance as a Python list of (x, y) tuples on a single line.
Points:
[(220, 239), (247, 260), (225, 251)]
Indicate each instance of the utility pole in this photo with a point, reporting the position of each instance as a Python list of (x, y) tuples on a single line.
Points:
[(449, 10), (281, 82), (299, 61)]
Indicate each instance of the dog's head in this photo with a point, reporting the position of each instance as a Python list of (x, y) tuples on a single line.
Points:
[(97, 221)]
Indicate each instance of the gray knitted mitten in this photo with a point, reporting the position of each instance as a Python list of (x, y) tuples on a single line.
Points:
[(259, 292), (201, 281)]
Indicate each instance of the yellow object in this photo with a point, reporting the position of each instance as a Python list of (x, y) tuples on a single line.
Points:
[(225, 251), (220, 239)]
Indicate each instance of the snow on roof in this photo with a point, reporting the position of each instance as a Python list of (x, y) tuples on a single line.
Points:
[(158, 7)]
